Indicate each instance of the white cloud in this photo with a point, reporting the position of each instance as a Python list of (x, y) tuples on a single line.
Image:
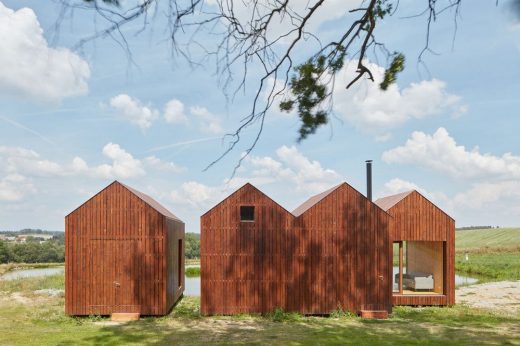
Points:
[(14, 187), (398, 185), (289, 170), (30, 68), (163, 166), (503, 196), (208, 122), (197, 195), (124, 165), (374, 111), (174, 112), (134, 111), (441, 153)]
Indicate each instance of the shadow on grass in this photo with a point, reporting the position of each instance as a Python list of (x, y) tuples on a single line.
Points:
[(425, 326)]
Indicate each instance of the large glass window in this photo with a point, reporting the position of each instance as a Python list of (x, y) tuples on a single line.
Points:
[(418, 267)]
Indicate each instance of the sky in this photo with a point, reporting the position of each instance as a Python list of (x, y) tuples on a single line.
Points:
[(74, 120)]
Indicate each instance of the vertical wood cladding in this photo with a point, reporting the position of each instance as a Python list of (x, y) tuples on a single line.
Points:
[(121, 256), (337, 254), (415, 218)]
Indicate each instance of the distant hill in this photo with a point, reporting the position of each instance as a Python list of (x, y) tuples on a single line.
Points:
[(30, 231), (489, 237)]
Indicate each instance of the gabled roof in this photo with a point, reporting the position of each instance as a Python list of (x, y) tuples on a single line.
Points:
[(151, 202), (246, 185), (313, 200), (142, 196), (388, 202)]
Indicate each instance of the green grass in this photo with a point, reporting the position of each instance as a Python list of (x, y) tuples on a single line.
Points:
[(488, 238), (43, 323), (39, 320), (31, 284), (493, 254), (192, 272), (490, 266)]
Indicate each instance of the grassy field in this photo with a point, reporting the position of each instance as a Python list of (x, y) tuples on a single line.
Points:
[(30, 319), (488, 238), (493, 254)]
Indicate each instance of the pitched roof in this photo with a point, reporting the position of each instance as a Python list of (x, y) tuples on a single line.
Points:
[(151, 202), (388, 202), (313, 200)]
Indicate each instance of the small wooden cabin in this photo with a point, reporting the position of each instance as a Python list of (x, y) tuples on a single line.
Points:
[(332, 252), (423, 238), (124, 253)]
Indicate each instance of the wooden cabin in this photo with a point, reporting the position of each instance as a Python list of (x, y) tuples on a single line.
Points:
[(124, 253), (423, 238), (333, 252)]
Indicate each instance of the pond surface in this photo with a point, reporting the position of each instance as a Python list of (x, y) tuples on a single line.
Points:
[(460, 279), (29, 273), (192, 286)]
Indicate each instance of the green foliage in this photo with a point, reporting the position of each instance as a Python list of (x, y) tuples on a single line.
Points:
[(341, 313), (50, 251), (279, 315), (396, 66), (192, 249), (309, 93), (192, 272)]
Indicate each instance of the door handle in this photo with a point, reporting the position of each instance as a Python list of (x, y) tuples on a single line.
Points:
[(117, 284)]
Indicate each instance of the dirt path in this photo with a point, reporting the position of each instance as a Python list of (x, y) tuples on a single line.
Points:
[(503, 296)]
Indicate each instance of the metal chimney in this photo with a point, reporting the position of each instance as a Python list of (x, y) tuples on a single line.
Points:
[(369, 179)]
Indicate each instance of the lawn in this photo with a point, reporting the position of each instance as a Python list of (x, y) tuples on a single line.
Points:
[(30, 319), (488, 238), (493, 254)]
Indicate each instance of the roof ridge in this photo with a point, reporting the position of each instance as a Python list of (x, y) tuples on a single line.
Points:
[(313, 200)]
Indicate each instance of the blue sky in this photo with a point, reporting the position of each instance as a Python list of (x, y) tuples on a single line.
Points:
[(73, 121)]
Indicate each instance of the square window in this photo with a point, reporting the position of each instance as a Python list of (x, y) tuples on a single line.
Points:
[(247, 213)]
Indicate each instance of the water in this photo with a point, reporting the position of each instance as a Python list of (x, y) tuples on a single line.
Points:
[(459, 279), (30, 273), (192, 286)]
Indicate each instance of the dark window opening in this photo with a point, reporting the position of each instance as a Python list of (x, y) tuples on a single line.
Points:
[(247, 213)]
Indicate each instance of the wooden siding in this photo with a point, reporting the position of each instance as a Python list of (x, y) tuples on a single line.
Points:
[(118, 256), (336, 254), (415, 218)]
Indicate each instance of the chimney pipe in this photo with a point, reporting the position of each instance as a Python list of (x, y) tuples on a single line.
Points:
[(369, 179)]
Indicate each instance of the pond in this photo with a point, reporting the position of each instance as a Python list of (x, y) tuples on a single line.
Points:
[(460, 279), (29, 273), (192, 284)]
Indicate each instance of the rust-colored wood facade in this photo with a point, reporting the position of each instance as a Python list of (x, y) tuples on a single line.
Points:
[(415, 218), (121, 255), (335, 254)]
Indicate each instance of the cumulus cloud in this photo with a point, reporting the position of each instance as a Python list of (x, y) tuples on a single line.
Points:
[(441, 153), (198, 195), (14, 187), (174, 112), (30, 68), (163, 166), (503, 196), (374, 111), (290, 169), (208, 122), (123, 165), (397, 185), (134, 111)]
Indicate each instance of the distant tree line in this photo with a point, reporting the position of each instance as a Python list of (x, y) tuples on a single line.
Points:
[(31, 231), (32, 251), (192, 249), (475, 227)]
